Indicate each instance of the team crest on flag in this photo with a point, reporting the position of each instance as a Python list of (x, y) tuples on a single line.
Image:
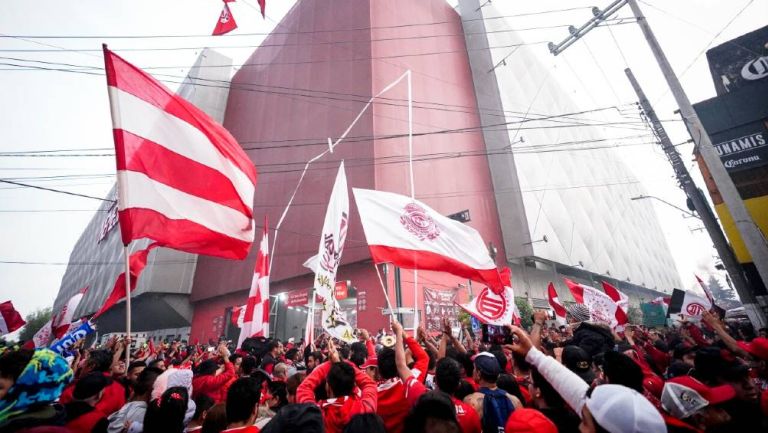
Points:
[(417, 221), (492, 308)]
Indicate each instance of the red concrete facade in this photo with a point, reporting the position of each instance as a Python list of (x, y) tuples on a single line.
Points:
[(307, 83)]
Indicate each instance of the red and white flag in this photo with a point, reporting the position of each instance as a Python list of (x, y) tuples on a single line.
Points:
[(602, 308), (226, 22), (493, 308), (683, 302), (43, 336), (137, 262), (182, 179), (256, 316), (618, 297), (65, 317), (238, 315), (412, 235), (554, 302), (662, 300), (707, 292), (10, 319)]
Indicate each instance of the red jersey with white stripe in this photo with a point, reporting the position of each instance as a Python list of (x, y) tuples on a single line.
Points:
[(395, 399), (469, 420)]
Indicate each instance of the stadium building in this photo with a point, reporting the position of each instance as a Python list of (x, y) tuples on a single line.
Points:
[(541, 213)]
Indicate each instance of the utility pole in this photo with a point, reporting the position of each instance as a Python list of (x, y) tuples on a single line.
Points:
[(700, 204), (753, 239)]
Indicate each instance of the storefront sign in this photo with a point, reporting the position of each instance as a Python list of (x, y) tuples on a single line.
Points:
[(439, 305), (297, 298), (742, 147), (362, 301)]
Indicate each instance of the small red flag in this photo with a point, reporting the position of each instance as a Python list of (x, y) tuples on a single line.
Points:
[(263, 6), (137, 263), (10, 319), (226, 22)]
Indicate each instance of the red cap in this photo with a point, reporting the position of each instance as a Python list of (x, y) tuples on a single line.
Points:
[(757, 347), (372, 361), (713, 394), (525, 420)]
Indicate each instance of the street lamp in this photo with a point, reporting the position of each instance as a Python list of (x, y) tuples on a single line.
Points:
[(684, 211)]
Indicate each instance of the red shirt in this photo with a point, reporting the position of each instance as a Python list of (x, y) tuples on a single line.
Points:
[(338, 411), (214, 386), (112, 400), (396, 399), (468, 418)]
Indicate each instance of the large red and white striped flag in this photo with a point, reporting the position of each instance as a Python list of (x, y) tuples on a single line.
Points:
[(256, 316), (182, 179), (10, 319), (412, 235), (618, 297), (554, 302), (602, 308)]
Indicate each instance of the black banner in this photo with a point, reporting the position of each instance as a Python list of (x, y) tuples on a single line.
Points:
[(740, 61)]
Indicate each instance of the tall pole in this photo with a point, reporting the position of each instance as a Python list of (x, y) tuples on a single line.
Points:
[(750, 233), (127, 306), (702, 207), (413, 196)]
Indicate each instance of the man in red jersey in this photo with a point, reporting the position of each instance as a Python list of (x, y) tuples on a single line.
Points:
[(341, 378), (399, 386)]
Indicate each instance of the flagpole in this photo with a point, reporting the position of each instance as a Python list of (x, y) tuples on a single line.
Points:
[(386, 295), (413, 196), (127, 306)]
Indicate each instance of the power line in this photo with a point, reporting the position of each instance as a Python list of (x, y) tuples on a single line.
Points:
[(55, 190), (288, 33)]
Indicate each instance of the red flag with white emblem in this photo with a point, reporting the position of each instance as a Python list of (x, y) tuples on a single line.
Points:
[(256, 320), (226, 22), (66, 316)]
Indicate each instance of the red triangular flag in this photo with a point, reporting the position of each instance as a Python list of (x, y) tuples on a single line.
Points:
[(226, 22), (137, 263), (10, 319), (554, 302), (263, 6)]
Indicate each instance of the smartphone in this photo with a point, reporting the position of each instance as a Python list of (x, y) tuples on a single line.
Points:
[(494, 334), (210, 349)]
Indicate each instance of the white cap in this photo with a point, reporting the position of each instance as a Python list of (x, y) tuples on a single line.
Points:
[(291, 340), (619, 409)]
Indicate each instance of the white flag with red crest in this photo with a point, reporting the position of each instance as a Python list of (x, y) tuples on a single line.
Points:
[(256, 316)]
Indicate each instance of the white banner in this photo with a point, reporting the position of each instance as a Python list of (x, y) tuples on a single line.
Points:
[(329, 256)]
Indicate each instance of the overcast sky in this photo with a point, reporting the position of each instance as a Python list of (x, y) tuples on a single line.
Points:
[(52, 110)]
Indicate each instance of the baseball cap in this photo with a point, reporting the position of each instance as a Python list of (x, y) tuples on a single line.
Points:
[(371, 361), (757, 347), (524, 420), (619, 409), (578, 361), (487, 363), (90, 385), (712, 394)]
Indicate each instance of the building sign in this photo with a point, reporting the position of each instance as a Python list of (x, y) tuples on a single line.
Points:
[(439, 305), (109, 223), (300, 298), (297, 298), (742, 147), (739, 62), (362, 300)]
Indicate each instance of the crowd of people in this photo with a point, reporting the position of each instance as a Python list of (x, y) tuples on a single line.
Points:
[(583, 377)]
